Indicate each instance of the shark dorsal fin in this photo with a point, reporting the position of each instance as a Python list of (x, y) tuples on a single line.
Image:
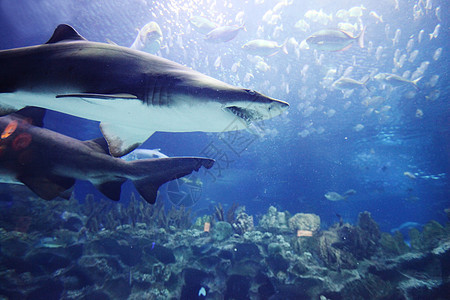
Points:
[(65, 32), (34, 114)]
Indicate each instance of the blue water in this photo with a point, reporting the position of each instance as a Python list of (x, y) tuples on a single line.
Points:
[(312, 149)]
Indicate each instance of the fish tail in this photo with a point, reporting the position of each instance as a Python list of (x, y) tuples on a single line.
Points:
[(150, 174), (360, 37), (415, 81), (365, 81), (284, 46)]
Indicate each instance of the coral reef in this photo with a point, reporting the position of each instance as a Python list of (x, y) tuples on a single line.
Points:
[(308, 222), (243, 223), (275, 221), (135, 252)]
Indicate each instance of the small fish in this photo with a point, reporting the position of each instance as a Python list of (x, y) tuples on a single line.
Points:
[(438, 13), (419, 113), (302, 25), (50, 242), (396, 80), (433, 80), (264, 47), (349, 83), (437, 54), (420, 36), (202, 24), (348, 27), (342, 14), (356, 11), (396, 38), (413, 56), (409, 175), (376, 16), (223, 34), (435, 33), (333, 196), (149, 38), (410, 45), (202, 292), (334, 40), (379, 52)]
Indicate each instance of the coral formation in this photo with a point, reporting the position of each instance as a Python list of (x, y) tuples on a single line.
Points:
[(309, 222), (149, 253), (275, 221)]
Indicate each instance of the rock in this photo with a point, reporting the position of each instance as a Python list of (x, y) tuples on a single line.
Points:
[(393, 245), (274, 248), (247, 251), (221, 231), (243, 223), (369, 226), (161, 253), (13, 247), (48, 289), (47, 260), (237, 287), (309, 222), (274, 221), (277, 263)]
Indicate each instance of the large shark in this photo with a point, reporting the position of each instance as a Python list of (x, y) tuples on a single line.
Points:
[(48, 162), (132, 93)]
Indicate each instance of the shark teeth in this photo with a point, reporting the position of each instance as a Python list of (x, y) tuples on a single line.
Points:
[(242, 113)]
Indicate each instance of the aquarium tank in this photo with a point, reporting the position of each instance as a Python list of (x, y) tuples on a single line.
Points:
[(207, 149)]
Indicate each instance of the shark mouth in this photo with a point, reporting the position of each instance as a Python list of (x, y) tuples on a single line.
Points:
[(245, 114)]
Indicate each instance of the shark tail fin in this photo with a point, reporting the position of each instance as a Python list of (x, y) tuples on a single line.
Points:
[(155, 172)]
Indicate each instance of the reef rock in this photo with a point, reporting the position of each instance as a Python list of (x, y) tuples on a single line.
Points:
[(275, 221), (221, 231), (309, 222), (243, 223)]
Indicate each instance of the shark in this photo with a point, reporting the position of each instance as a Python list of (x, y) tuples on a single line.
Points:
[(131, 93), (49, 163)]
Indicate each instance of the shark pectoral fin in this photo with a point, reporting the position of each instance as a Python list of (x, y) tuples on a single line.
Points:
[(98, 96), (123, 139), (47, 187), (111, 189), (162, 170)]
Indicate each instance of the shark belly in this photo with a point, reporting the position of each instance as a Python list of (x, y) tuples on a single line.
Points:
[(131, 113)]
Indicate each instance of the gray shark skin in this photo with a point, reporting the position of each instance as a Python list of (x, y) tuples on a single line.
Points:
[(49, 163), (132, 93)]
